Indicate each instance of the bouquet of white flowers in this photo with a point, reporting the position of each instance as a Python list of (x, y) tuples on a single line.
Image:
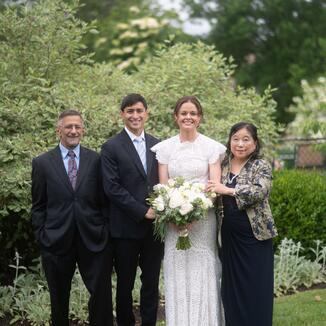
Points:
[(179, 202)]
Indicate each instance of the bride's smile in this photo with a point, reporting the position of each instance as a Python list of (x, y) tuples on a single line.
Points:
[(187, 117)]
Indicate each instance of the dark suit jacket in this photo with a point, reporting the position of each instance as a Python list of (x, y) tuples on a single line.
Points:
[(127, 186), (58, 211)]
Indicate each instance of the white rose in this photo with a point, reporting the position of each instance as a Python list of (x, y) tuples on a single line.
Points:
[(158, 203), (186, 185), (207, 203), (185, 208), (191, 195), (176, 199), (171, 183), (159, 186), (199, 187), (200, 196)]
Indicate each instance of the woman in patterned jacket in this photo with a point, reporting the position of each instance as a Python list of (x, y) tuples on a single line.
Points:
[(247, 229)]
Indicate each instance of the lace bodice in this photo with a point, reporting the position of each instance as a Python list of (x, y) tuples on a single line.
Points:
[(189, 159)]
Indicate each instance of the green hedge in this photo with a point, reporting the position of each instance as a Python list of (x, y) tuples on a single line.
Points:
[(298, 203)]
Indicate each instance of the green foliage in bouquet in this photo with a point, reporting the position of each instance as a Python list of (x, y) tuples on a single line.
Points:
[(298, 203), (44, 70), (180, 203)]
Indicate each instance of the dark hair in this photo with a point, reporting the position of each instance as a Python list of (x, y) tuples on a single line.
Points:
[(70, 112), (252, 129), (186, 99), (132, 99)]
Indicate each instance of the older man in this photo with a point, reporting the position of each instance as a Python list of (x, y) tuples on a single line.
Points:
[(70, 223)]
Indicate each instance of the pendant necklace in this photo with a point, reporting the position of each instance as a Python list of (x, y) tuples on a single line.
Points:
[(230, 180)]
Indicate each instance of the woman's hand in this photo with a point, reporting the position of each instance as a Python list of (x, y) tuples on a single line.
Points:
[(219, 188)]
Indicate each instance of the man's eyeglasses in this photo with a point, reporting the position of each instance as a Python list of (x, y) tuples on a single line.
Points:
[(69, 127)]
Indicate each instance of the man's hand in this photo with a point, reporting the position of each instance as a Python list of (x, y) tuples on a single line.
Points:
[(150, 214)]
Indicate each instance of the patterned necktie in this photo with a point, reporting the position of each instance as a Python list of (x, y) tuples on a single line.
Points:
[(141, 150), (72, 169)]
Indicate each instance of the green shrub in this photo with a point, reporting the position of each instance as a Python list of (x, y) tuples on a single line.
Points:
[(43, 71), (298, 203), (292, 270)]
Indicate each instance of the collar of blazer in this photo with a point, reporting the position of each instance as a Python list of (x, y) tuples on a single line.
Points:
[(59, 167), (132, 152)]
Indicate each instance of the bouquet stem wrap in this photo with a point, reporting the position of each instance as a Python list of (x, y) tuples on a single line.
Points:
[(183, 242)]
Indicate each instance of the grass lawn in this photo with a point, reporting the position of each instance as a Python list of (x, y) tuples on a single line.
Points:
[(306, 308)]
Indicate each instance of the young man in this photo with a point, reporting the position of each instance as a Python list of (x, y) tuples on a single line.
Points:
[(70, 224), (129, 172)]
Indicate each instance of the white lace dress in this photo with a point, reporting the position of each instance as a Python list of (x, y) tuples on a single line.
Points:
[(192, 277)]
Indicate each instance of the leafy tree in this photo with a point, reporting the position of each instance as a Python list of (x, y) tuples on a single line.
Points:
[(275, 43), (131, 32), (90, 10), (104, 16), (199, 70), (43, 70)]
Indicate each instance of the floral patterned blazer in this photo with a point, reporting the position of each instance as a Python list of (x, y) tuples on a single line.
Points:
[(251, 194)]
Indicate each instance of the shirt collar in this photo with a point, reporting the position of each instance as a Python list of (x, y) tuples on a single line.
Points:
[(64, 151), (133, 136)]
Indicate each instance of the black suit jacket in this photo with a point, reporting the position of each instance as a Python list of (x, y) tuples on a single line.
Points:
[(58, 211), (127, 185)]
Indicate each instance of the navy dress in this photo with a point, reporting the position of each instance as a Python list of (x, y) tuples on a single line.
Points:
[(247, 269)]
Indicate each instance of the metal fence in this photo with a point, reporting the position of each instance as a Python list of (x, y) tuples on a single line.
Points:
[(307, 153)]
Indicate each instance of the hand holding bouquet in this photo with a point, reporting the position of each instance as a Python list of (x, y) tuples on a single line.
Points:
[(181, 203)]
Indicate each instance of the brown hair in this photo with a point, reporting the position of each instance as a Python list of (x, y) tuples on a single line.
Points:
[(186, 99)]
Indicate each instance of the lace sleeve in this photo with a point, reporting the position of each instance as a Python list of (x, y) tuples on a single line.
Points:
[(162, 151), (216, 152)]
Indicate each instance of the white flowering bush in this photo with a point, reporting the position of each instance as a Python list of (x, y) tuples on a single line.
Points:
[(181, 203), (310, 110)]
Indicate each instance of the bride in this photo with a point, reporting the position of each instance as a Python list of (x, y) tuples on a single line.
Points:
[(191, 277)]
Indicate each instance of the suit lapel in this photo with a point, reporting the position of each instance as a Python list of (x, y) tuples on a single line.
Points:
[(150, 156), (83, 167), (132, 152), (58, 165)]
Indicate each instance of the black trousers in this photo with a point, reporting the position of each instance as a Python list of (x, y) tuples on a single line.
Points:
[(128, 254), (95, 269)]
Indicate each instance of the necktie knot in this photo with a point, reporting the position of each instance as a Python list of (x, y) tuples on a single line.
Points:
[(71, 154), (138, 140)]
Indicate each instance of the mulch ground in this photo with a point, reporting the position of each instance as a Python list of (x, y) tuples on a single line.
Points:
[(314, 287)]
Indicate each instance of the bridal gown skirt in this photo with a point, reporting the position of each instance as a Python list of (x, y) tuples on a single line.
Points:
[(192, 277)]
